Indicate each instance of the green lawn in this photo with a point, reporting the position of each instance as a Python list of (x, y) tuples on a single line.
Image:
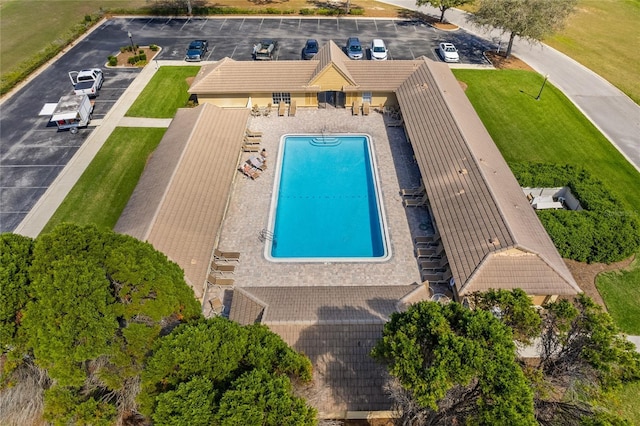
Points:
[(549, 130), (165, 93), (103, 190), (625, 402), (621, 293), (603, 36)]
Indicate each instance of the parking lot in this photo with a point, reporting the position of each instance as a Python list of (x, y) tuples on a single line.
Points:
[(32, 152)]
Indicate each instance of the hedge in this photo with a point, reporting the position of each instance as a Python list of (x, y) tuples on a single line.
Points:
[(603, 232)]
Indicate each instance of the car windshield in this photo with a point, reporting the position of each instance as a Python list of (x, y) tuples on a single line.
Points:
[(378, 49), (355, 48), (312, 45)]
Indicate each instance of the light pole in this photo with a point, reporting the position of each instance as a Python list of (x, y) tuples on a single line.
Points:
[(546, 77), (133, 49)]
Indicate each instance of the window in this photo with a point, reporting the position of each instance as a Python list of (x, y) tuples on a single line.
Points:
[(366, 97), (281, 97)]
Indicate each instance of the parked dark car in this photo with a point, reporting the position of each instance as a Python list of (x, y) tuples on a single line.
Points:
[(196, 50), (354, 48), (310, 49)]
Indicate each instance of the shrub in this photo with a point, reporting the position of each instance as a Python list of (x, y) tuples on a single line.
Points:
[(113, 61), (132, 60), (153, 47), (124, 49), (356, 11), (140, 52), (142, 57), (602, 232), (307, 11)]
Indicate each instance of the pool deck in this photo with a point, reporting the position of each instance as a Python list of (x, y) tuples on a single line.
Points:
[(338, 327), (249, 206)]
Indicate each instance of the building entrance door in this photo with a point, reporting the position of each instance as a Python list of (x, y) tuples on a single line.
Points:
[(332, 99)]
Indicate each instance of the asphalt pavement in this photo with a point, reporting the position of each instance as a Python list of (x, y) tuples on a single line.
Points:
[(610, 110)]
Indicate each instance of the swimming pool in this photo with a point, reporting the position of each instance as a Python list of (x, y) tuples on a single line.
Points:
[(326, 205)]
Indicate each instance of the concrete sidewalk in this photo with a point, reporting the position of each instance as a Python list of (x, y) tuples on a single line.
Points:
[(46, 206), (610, 110)]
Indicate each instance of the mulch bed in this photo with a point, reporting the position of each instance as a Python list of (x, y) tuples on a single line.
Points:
[(123, 57), (498, 60)]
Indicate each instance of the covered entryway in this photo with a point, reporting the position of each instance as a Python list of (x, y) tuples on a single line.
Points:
[(331, 98)]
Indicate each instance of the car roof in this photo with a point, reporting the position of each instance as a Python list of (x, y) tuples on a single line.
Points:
[(353, 40), (377, 42), (447, 45)]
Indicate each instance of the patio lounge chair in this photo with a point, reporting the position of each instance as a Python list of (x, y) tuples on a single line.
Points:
[(250, 133), (434, 265), (355, 109), (226, 256), (282, 108), (416, 202), (251, 141), (250, 148), (413, 192), (222, 269), (249, 171), (215, 280), (427, 240), (217, 307), (396, 123), (429, 253), (292, 109), (366, 108)]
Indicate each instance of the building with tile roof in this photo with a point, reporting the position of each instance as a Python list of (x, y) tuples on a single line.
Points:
[(490, 234)]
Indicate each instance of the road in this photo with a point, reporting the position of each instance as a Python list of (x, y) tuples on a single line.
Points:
[(610, 110)]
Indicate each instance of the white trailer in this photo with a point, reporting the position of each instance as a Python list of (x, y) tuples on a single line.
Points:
[(72, 112)]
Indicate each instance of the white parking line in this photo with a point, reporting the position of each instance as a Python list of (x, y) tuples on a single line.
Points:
[(233, 53), (395, 26), (204, 22), (145, 25), (412, 55), (356, 25), (186, 22), (376, 24), (261, 22), (299, 22), (223, 22), (211, 52), (165, 24), (242, 23)]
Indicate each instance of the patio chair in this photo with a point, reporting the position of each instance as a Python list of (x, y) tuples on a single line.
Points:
[(434, 265), (251, 140), (427, 240), (282, 108), (429, 253), (253, 134), (416, 202), (292, 109), (250, 148), (249, 171), (217, 308), (396, 123), (355, 109), (413, 192), (222, 269), (215, 280), (226, 256), (366, 108)]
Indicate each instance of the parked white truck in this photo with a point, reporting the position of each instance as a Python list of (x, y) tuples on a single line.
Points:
[(87, 82)]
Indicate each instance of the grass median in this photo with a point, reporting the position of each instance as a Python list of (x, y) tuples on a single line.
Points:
[(103, 190)]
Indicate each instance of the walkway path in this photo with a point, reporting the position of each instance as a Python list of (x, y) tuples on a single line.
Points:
[(40, 214), (610, 110)]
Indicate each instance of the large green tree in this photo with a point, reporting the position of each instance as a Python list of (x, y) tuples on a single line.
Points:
[(455, 365), (96, 302), (443, 5), (237, 375), (528, 19), (581, 355)]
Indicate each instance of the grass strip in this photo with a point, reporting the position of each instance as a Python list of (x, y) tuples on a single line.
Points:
[(165, 93), (621, 293), (103, 190), (548, 130)]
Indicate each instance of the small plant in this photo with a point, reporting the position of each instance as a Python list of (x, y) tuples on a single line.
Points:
[(153, 47), (307, 11), (140, 52), (142, 56), (113, 61), (124, 49), (132, 60), (356, 11)]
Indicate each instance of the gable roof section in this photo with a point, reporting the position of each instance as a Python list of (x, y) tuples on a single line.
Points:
[(229, 76), (331, 57), (187, 214), (477, 203), (380, 76)]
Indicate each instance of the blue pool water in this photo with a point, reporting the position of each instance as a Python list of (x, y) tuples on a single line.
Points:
[(325, 205)]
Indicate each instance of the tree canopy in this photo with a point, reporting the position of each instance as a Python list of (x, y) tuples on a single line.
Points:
[(443, 5), (452, 364), (242, 375), (94, 303), (529, 19)]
